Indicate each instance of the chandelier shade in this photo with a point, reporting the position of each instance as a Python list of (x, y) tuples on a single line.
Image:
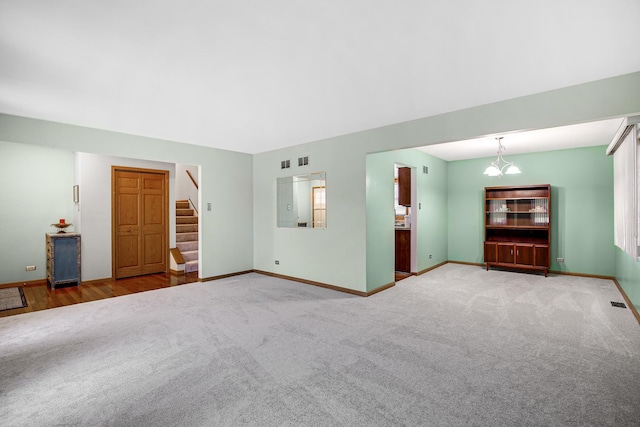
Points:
[(500, 166)]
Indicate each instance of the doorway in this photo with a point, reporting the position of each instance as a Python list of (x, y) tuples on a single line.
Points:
[(405, 235), (319, 207), (140, 226)]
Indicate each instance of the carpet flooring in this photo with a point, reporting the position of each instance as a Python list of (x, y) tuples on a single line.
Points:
[(457, 346), (11, 298)]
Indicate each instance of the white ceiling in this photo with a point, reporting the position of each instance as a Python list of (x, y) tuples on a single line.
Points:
[(254, 76), (559, 138)]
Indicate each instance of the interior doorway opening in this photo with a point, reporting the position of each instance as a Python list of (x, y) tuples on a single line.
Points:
[(188, 209), (405, 223)]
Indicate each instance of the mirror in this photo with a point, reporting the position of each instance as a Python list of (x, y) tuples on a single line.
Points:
[(302, 201)]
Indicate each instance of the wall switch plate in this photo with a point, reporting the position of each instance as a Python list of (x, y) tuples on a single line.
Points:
[(30, 268), (560, 259), (208, 206)]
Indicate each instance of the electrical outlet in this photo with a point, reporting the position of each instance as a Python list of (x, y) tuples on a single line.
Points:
[(560, 259), (277, 262), (30, 268), (430, 256)]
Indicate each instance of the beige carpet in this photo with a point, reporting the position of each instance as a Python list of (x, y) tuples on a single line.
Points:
[(11, 298), (457, 346)]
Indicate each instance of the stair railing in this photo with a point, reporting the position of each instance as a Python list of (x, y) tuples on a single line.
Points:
[(192, 180), (193, 205), (191, 202)]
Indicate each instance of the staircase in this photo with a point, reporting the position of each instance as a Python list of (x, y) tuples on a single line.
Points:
[(187, 235)]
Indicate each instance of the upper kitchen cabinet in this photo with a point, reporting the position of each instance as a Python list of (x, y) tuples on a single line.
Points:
[(404, 186)]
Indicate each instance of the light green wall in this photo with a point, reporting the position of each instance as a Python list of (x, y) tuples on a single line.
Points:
[(240, 186), (581, 206), (430, 208), (226, 182), (628, 275), (35, 194), (343, 253), (334, 255)]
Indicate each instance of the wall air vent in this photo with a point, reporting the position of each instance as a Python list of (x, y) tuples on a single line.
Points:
[(618, 304), (303, 161), (285, 164)]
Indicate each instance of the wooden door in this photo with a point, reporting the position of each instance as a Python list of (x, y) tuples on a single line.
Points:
[(403, 250), (524, 254), (505, 253), (542, 256), (140, 229), (490, 252), (319, 207)]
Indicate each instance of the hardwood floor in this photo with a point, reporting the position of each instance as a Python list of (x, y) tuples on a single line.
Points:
[(40, 297), (401, 275)]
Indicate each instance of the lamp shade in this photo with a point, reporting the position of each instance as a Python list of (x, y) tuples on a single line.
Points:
[(492, 171), (499, 165), (513, 169)]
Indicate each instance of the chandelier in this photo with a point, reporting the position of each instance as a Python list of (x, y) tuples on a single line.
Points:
[(497, 168)]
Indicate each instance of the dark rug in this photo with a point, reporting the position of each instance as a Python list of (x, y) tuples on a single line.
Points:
[(11, 298)]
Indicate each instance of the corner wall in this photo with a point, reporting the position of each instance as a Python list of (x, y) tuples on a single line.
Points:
[(226, 235), (430, 210), (345, 250), (36, 192), (628, 276), (581, 206), (333, 256)]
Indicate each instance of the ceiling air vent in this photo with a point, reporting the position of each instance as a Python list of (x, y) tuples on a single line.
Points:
[(303, 161), (285, 164)]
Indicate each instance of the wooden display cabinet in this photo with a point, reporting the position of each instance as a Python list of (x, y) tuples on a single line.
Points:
[(518, 227)]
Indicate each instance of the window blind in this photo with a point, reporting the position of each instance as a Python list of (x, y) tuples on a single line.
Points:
[(625, 194)]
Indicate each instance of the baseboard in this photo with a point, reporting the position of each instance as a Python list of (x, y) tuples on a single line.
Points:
[(591, 276), (223, 276), (426, 270), (176, 272), (322, 285), (477, 264), (37, 282), (380, 289), (627, 300)]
